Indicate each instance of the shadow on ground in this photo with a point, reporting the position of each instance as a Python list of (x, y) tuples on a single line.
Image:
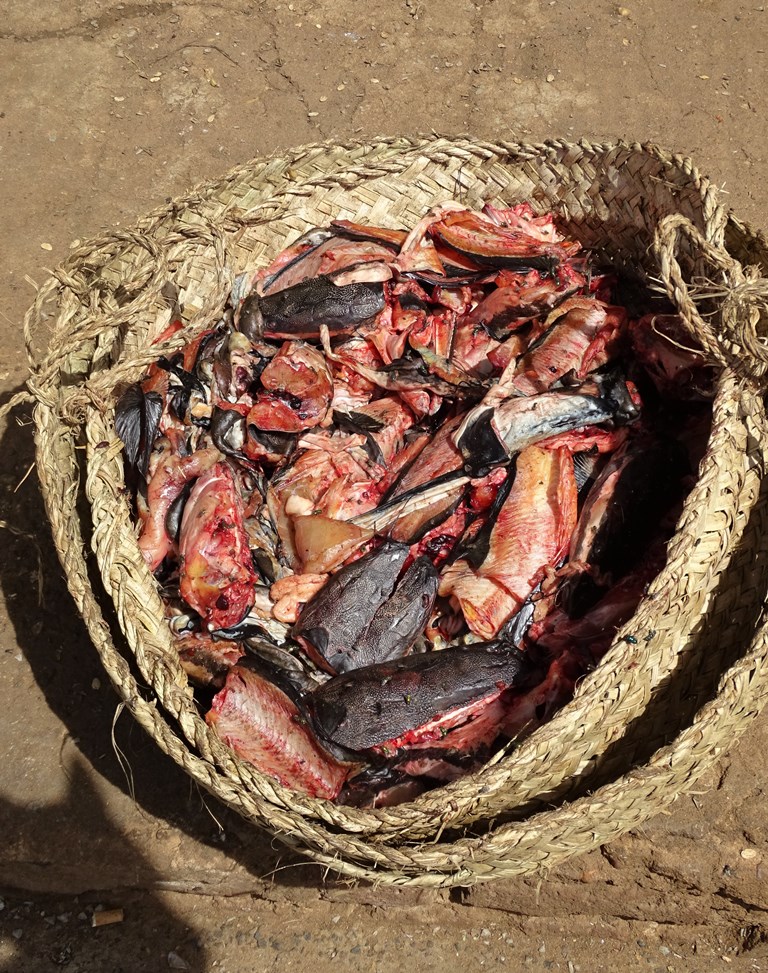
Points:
[(39, 931), (66, 667)]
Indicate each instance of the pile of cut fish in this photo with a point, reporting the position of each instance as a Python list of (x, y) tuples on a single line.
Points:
[(400, 496)]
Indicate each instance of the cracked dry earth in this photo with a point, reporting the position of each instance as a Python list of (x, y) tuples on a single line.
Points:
[(108, 109)]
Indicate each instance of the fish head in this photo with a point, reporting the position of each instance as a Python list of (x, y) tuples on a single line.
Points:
[(251, 322)]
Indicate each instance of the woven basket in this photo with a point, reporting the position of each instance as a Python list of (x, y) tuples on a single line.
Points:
[(652, 215)]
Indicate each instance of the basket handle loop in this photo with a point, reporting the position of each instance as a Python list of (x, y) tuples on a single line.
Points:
[(732, 337)]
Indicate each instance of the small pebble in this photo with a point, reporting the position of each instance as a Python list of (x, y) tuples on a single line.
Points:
[(176, 962), (96, 684), (118, 98), (550, 77), (17, 933), (748, 853), (46, 246)]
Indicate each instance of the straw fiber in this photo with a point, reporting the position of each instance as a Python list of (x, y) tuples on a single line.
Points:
[(663, 703)]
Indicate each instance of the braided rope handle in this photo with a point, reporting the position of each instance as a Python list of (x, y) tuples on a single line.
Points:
[(736, 335)]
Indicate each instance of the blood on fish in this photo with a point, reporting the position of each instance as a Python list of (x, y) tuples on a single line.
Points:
[(298, 388), (166, 484), (532, 532), (262, 725), (217, 577), (398, 443)]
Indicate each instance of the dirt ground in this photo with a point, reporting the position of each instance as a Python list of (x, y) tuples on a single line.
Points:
[(106, 110)]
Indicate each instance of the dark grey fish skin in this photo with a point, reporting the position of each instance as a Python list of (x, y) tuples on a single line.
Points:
[(400, 620), (453, 277), (479, 443), (176, 511), (360, 423), (295, 671), (330, 624), (585, 469), (490, 436), (474, 547), (515, 630), (378, 704), (280, 444), (128, 416), (137, 419), (228, 431), (299, 311)]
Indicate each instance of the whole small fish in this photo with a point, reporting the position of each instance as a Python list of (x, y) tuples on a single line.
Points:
[(395, 704), (299, 311)]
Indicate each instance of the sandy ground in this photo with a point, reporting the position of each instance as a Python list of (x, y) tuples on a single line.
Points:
[(106, 110)]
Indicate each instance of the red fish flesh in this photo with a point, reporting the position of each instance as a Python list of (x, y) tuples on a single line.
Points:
[(572, 329), (487, 243), (532, 532), (170, 477), (216, 572), (263, 726), (298, 390)]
